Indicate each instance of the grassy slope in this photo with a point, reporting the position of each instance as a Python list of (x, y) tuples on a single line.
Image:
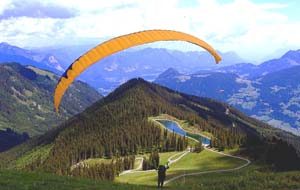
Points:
[(40, 152), (204, 161), (136, 178), (192, 162), (249, 178), (17, 180)]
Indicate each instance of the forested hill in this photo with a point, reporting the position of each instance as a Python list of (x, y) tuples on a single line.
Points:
[(118, 126), (26, 96)]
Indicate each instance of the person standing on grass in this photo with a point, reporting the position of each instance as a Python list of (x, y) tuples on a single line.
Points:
[(161, 171)]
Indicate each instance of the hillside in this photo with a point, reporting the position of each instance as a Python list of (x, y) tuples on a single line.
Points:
[(117, 128), (216, 85), (272, 98), (26, 99)]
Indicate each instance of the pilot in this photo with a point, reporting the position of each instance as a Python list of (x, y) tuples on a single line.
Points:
[(161, 171)]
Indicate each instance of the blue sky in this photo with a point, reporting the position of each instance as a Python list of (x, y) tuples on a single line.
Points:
[(255, 29)]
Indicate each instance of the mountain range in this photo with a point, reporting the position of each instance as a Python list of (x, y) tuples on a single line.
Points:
[(250, 71), (118, 68), (26, 99), (269, 91), (237, 84)]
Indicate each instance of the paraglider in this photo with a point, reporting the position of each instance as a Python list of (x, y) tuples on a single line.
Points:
[(117, 44)]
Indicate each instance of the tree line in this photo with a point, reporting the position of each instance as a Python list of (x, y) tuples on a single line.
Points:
[(104, 171)]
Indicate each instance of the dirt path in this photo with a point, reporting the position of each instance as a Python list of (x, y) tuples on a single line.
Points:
[(136, 169), (213, 171), (170, 160)]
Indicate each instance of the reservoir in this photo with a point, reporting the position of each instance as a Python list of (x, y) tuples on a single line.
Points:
[(173, 127)]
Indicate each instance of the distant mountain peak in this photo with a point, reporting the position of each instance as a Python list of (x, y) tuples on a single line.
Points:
[(52, 61), (169, 73), (292, 54), (132, 83), (136, 81), (4, 44), (10, 53)]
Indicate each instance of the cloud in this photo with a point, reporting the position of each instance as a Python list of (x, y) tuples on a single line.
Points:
[(253, 30), (35, 9)]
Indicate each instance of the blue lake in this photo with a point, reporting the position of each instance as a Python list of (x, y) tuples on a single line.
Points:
[(173, 127)]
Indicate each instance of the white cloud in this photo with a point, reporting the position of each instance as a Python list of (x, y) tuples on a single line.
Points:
[(252, 30), (4, 4)]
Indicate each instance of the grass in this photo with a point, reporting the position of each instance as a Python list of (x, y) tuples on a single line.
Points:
[(232, 151), (40, 152), (177, 156), (18, 180), (142, 177), (94, 161), (249, 178), (204, 161), (163, 157)]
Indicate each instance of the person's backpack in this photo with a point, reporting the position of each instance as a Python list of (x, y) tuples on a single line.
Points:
[(161, 169)]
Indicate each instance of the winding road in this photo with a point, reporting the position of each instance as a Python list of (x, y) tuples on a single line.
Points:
[(213, 171), (139, 168), (136, 169), (172, 161)]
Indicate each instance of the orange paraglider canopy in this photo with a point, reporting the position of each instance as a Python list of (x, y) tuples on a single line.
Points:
[(118, 44)]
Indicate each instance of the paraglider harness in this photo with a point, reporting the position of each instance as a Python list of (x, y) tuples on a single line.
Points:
[(161, 171)]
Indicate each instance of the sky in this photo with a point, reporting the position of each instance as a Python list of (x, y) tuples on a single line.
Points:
[(254, 29)]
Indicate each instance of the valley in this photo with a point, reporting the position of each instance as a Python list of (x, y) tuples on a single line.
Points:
[(270, 96), (107, 150)]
